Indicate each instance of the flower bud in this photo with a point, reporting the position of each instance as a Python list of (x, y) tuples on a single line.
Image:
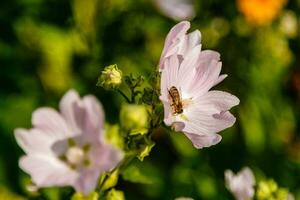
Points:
[(115, 195), (134, 118), (110, 78), (269, 190), (266, 189)]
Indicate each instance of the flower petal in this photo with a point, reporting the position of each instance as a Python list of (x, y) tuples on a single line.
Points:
[(104, 158), (241, 184), (50, 121), (220, 79), (205, 123), (87, 181), (47, 171), (172, 42), (176, 9), (34, 141), (191, 40), (93, 118), (205, 140), (205, 78), (187, 68), (170, 75), (209, 114), (109, 158), (218, 101), (67, 107)]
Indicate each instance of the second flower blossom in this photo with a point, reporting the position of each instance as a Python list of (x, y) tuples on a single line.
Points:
[(187, 75)]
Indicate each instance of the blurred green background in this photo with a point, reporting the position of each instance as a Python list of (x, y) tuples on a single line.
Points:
[(50, 46)]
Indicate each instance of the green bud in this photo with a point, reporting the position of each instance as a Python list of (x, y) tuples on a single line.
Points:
[(80, 196), (115, 195), (113, 136), (110, 78), (266, 189), (134, 118)]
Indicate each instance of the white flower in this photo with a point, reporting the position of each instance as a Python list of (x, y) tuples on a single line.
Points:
[(176, 9), (187, 75), (67, 148), (240, 185)]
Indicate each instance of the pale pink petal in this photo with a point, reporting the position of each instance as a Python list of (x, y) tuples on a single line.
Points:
[(68, 109), (220, 79), (50, 121), (205, 78), (176, 9), (187, 68), (172, 42), (47, 171), (210, 113), (87, 181), (170, 74), (34, 141), (191, 40), (106, 157), (94, 115), (240, 185), (167, 113), (206, 123), (218, 101), (205, 140), (207, 55)]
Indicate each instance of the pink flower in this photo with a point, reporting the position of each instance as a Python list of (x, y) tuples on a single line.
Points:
[(67, 148), (240, 185), (187, 75), (176, 9)]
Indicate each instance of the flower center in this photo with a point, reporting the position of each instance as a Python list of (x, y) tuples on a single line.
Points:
[(75, 155)]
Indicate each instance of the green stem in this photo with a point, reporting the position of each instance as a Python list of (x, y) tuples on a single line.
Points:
[(124, 95)]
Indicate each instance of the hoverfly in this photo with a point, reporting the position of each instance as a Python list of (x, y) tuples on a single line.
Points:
[(176, 102)]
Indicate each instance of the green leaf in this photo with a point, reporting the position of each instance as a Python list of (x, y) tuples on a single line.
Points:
[(133, 174)]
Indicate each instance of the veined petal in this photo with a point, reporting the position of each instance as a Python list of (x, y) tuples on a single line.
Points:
[(106, 157), (34, 141), (176, 32), (206, 140), (170, 74), (220, 79), (187, 68), (191, 40), (173, 40), (205, 78), (206, 119), (50, 121), (207, 55), (87, 181), (93, 118), (217, 101), (47, 171), (69, 111)]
